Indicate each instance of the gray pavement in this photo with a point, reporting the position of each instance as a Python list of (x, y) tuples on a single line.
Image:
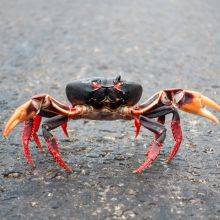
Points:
[(46, 44)]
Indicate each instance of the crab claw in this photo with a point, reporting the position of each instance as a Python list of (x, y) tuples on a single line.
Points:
[(21, 114), (195, 103)]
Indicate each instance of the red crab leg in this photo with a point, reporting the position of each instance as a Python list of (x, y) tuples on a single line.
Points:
[(177, 135), (156, 144), (53, 148), (36, 125), (51, 141), (64, 128), (175, 125), (29, 131), (152, 155), (137, 125), (176, 130), (26, 137)]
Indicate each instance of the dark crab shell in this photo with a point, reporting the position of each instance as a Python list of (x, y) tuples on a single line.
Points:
[(101, 92)]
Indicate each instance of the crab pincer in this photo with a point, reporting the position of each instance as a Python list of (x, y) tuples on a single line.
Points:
[(196, 103)]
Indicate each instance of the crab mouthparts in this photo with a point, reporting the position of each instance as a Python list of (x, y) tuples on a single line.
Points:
[(107, 100)]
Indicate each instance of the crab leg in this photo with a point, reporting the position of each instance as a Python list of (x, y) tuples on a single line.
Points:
[(64, 128), (26, 137), (177, 135), (156, 144), (137, 125), (29, 131), (36, 125), (51, 141), (175, 126), (161, 119)]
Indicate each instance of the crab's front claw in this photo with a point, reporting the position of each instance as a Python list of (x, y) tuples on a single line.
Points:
[(21, 114), (195, 103)]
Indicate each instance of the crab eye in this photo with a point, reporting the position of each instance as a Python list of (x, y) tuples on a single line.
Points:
[(118, 86), (96, 85)]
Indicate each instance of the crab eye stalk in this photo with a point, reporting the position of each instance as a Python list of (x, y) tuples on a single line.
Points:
[(117, 79)]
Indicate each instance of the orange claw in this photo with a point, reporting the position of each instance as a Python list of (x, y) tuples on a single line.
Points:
[(21, 114), (195, 103)]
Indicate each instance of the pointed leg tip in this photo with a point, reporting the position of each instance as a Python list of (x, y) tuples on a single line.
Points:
[(33, 165), (141, 169), (53, 149), (30, 162), (137, 134), (67, 168), (64, 128), (136, 172), (70, 170), (64, 165)]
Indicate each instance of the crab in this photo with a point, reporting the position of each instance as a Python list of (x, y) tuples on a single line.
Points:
[(102, 98)]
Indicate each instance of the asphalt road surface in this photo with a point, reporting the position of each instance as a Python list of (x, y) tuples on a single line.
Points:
[(46, 44)]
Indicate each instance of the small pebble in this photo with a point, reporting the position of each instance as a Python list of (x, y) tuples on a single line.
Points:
[(132, 192), (34, 204), (129, 214)]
